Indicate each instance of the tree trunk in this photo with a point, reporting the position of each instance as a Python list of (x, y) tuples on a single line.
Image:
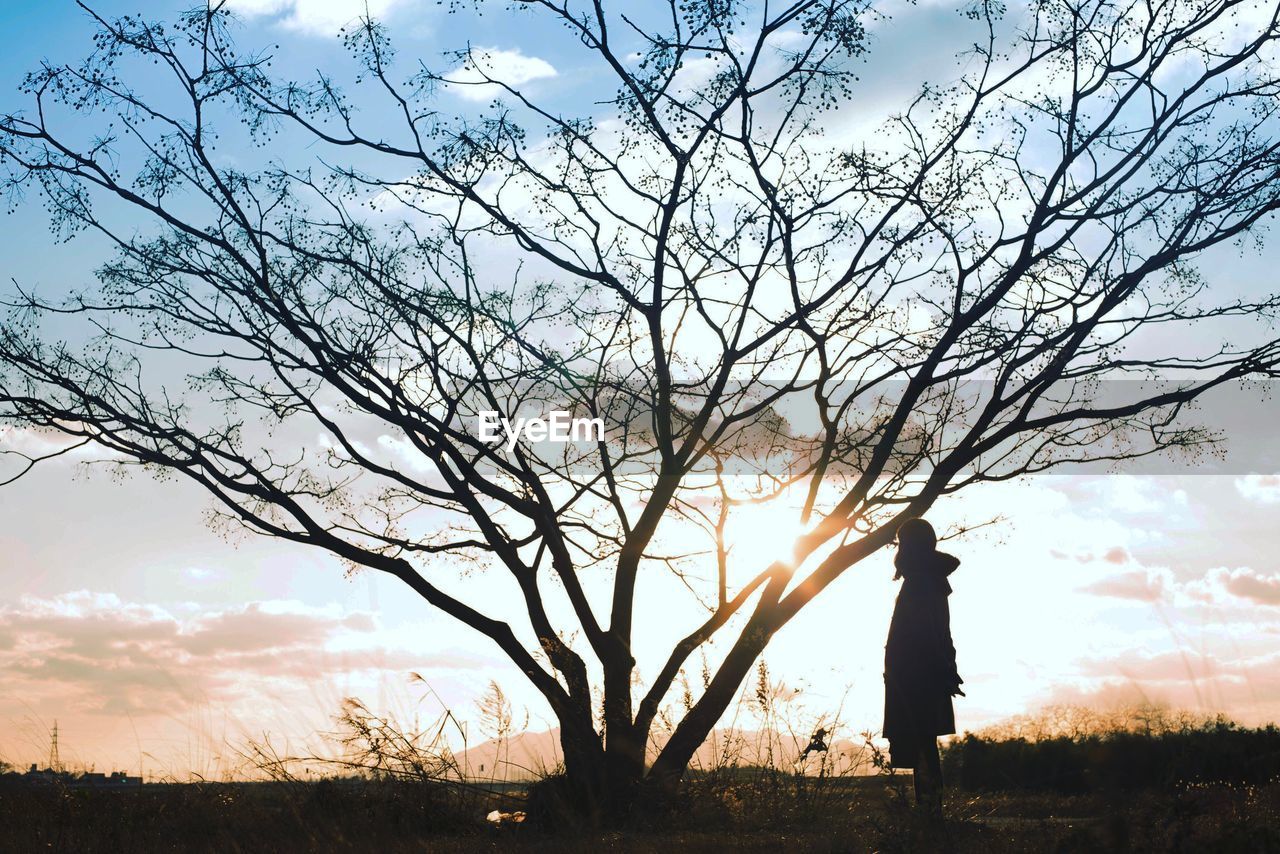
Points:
[(625, 743), (578, 792), (602, 782)]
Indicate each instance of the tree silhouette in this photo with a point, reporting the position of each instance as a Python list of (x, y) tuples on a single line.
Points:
[(754, 305)]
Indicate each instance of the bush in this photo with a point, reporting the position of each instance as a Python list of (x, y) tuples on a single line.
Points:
[(1213, 751)]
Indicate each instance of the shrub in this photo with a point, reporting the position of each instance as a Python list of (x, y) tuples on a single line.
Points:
[(1214, 750)]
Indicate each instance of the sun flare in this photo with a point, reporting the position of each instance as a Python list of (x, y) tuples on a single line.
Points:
[(763, 533)]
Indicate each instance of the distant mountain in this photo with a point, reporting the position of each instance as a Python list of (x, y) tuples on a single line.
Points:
[(526, 756), (530, 755)]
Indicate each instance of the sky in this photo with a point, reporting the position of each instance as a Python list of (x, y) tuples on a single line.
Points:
[(158, 643)]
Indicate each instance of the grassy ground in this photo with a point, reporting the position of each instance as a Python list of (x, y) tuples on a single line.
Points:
[(867, 814)]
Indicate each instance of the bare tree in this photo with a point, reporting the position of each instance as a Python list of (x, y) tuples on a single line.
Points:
[(870, 320)]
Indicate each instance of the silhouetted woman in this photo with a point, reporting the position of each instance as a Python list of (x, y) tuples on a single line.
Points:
[(920, 675)]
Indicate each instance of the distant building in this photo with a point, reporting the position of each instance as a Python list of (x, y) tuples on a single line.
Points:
[(55, 775), (37, 776), (114, 780)]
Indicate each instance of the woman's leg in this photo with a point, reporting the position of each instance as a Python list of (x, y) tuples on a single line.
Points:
[(928, 774)]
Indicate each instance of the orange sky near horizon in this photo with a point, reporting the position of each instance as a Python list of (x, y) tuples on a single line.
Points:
[(158, 645)]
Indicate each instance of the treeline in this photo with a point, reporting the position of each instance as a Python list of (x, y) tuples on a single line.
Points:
[(1126, 755)]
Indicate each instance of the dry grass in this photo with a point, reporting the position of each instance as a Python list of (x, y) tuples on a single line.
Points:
[(392, 788), (864, 815)]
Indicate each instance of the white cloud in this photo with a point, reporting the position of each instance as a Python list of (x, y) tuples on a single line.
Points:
[(202, 574), (314, 17), (20, 445), (507, 66), (406, 454), (1263, 488)]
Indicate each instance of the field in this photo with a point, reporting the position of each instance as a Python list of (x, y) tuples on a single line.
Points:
[(859, 814), (1065, 782)]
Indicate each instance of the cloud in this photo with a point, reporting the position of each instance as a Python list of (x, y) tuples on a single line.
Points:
[(314, 17), (1145, 585), (1143, 666), (1116, 555), (19, 446), (92, 652), (258, 627), (1245, 583), (201, 574), (1248, 687), (406, 454), (1218, 586), (1262, 488), (507, 66)]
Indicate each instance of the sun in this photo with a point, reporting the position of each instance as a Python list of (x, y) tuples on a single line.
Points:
[(761, 534)]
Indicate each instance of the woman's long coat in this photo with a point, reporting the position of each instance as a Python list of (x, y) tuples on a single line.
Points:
[(920, 658)]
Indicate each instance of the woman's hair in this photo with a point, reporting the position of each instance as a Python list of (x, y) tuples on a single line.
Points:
[(915, 537)]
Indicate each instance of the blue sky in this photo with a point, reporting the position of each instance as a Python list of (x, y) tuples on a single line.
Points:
[(144, 632)]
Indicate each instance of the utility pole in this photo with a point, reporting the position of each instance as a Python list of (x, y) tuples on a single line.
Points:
[(54, 764)]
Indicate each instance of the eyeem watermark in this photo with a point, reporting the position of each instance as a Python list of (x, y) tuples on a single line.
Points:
[(558, 426)]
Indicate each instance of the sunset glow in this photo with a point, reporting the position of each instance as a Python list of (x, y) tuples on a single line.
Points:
[(335, 496)]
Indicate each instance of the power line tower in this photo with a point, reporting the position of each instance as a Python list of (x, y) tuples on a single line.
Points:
[(54, 763)]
